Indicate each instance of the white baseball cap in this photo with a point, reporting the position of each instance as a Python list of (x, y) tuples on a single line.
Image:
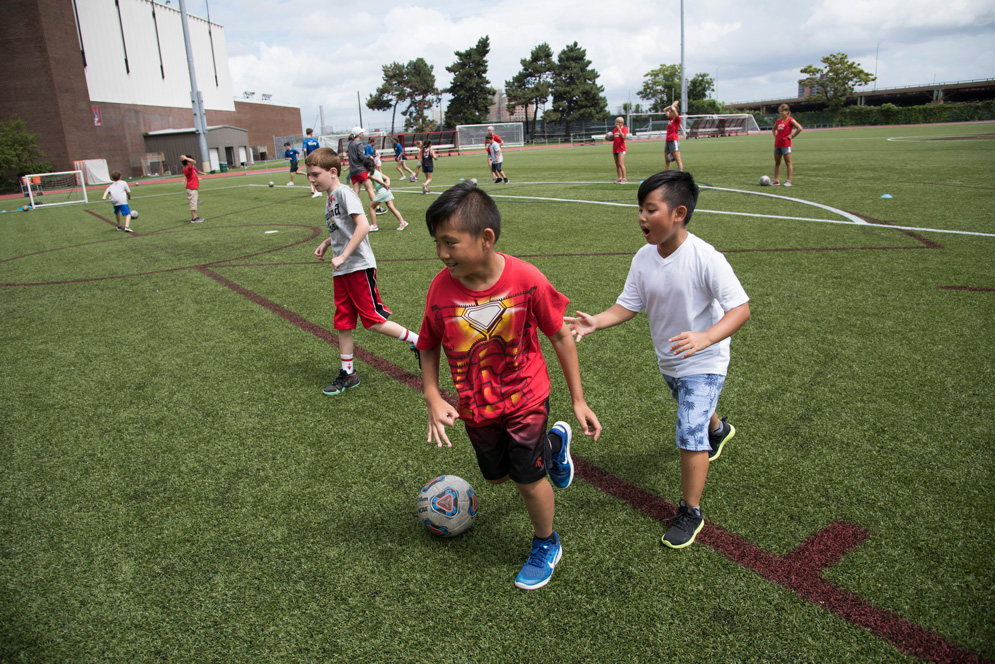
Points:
[(356, 131)]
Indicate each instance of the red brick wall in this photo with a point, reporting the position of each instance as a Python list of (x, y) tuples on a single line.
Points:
[(44, 84)]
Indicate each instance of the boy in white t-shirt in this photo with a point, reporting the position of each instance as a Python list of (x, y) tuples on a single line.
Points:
[(694, 303), (120, 193)]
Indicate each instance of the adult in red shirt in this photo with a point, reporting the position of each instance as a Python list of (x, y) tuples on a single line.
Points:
[(193, 186), (618, 148), (782, 142), (672, 146)]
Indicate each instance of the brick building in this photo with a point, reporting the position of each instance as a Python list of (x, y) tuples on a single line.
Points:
[(91, 79)]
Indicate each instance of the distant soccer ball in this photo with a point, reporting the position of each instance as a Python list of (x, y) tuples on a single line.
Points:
[(134, 214), (447, 506), (271, 183), (473, 180), (764, 181), (609, 136)]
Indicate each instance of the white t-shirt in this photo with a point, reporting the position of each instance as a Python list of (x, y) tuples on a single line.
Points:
[(342, 203), (118, 192), (688, 291)]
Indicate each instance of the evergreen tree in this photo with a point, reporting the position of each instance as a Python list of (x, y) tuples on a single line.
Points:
[(19, 153), (471, 92), (532, 84), (575, 89), (836, 81), (391, 92), (421, 95)]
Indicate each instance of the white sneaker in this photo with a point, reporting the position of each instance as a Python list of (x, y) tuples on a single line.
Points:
[(290, 184), (787, 183), (374, 227), (316, 194)]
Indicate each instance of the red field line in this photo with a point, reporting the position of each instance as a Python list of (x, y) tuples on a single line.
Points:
[(969, 288)]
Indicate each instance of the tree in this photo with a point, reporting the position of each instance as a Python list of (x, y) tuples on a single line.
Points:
[(19, 152), (391, 92), (661, 87), (836, 81), (575, 89), (700, 87), (532, 84), (421, 95), (471, 92)]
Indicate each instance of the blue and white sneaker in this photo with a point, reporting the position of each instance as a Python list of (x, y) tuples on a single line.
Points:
[(561, 470), (538, 569)]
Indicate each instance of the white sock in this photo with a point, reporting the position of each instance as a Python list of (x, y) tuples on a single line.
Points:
[(408, 336), (347, 362)]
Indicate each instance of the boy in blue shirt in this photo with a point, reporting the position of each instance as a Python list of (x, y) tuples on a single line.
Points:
[(292, 156), (310, 144)]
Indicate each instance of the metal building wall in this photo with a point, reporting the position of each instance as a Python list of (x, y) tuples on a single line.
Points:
[(123, 61)]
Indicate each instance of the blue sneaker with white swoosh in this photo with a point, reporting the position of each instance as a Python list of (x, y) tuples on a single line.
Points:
[(561, 470), (538, 569)]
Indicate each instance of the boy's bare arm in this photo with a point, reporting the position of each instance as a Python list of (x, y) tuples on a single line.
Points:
[(584, 324), (566, 352), (690, 343), (440, 413)]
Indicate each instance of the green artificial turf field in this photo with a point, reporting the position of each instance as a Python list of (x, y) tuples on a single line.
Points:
[(175, 487)]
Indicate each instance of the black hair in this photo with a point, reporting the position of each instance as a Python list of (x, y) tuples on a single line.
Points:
[(368, 163), (468, 208), (676, 188)]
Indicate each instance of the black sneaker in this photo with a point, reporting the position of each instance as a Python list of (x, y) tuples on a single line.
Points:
[(380, 210), (416, 352), (718, 439), (120, 228), (686, 526), (342, 383), (506, 180), (196, 220)]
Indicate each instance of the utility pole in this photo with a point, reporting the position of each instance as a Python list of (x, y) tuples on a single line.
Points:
[(199, 118)]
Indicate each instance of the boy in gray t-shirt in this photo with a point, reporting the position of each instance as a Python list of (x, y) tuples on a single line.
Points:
[(355, 268)]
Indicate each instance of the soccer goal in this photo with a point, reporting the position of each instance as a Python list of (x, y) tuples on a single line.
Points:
[(654, 125), (153, 164), (60, 188), (470, 137)]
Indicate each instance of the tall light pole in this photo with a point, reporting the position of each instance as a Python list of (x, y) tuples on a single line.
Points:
[(199, 119), (684, 80), (876, 49)]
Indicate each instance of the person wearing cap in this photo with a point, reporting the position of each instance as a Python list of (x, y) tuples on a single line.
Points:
[(357, 173)]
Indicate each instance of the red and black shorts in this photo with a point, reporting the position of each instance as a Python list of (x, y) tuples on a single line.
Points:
[(357, 295), (514, 446)]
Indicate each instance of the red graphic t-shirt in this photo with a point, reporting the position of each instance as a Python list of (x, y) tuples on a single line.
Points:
[(491, 338), (782, 137)]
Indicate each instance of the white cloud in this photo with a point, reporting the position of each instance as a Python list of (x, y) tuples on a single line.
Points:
[(310, 57)]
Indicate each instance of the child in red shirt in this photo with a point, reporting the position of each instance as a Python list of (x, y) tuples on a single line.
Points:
[(486, 309), (193, 186), (782, 142)]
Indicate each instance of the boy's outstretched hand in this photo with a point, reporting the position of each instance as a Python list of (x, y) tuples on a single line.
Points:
[(588, 420), (580, 326)]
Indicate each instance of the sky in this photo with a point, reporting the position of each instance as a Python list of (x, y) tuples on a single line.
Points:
[(320, 54)]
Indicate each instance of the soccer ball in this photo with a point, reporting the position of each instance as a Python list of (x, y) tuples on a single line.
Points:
[(447, 506), (764, 181), (473, 180), (610, 136), (271, 183), (134, 214)]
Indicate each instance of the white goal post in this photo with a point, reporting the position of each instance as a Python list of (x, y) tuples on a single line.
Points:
[(60, 188), (654, 125), (470, 137)]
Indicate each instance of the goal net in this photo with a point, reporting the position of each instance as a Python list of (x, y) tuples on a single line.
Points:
[(153, 164), (54, 188), (470, 137), (654, 125)]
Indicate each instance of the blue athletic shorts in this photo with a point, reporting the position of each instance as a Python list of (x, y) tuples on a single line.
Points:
[(697, 398)]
